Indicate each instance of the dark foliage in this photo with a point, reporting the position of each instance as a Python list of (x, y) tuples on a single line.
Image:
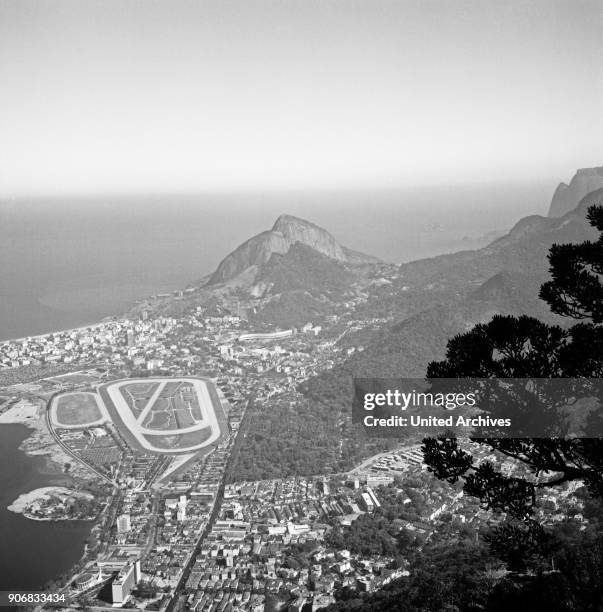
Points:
[(524, 347)]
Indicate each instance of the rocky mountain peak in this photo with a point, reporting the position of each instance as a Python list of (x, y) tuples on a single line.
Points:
[(286, 231), (295, 230), (285, 220), (567, 197)]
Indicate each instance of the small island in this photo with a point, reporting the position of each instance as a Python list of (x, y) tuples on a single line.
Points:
[(56, 504)]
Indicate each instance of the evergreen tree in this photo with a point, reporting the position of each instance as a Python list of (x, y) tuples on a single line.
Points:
[(525, 347)]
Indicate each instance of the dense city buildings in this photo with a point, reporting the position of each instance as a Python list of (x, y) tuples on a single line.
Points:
[(178, 525)]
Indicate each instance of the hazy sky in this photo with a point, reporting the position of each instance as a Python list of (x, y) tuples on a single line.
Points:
[(142, 96)]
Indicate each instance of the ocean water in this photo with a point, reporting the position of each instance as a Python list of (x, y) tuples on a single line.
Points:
[(31, 552), (68, 262)]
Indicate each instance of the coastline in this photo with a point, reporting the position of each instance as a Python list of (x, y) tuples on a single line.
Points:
[(63, 540), (24, 503), (61, 331), (92, 320), (39, 443)]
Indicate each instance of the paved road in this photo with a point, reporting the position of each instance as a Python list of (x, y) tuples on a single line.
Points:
[(67, 450)]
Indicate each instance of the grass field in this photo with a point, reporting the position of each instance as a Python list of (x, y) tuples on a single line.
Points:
[(138, 394), (76, 378), (177, 407), (179, 441), (77, 409)]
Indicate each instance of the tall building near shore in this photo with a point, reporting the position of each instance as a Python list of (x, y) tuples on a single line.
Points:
[(181, 512), (123, 523), (126, 580)]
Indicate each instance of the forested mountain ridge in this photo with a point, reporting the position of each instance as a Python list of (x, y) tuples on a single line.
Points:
[(451, 294)]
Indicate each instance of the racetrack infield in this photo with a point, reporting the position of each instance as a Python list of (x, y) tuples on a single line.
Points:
[(171, 442)]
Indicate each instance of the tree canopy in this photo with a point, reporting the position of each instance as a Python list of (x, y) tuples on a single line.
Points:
[(525, 347)]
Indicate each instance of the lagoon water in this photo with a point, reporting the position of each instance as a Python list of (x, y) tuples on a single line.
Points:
[(31, 552), (69, 262)]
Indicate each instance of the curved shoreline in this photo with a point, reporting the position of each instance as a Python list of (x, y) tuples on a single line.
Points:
[(23, 504), (38, 442), (64, 540)]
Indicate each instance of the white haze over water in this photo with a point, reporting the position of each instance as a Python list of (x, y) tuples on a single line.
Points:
[(350, 98), (70, 262)]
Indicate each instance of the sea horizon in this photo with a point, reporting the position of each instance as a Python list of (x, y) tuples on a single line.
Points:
[(71, 269)]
